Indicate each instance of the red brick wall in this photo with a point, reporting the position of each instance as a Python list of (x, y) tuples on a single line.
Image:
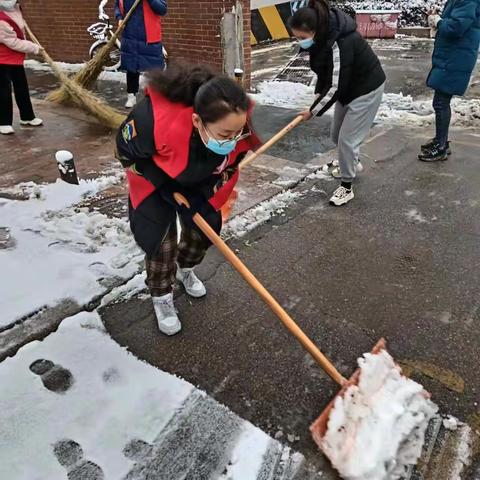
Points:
[(191, 28)]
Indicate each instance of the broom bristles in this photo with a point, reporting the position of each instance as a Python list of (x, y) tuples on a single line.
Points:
[(81, 97), (85, 99), (87, 76)]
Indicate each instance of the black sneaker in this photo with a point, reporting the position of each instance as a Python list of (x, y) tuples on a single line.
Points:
[(434, 154), (433, 142)]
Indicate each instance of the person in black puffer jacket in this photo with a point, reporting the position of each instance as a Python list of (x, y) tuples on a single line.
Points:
[(350, 77)]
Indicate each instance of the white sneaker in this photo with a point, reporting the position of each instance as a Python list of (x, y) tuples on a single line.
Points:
[(337, 174), (167, 318), (341, 196), (6, 130), (192, 284), (131, 100), (328, 167), (36, 122)]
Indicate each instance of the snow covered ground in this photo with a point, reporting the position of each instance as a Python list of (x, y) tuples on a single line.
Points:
[(396, 109), (61, 251), (69, 68), (78, 404)]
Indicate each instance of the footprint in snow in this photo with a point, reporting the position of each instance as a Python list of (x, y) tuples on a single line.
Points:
[(54, 377), (70, 455)]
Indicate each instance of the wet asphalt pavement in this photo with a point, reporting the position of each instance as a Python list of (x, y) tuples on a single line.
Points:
[(401, 261)]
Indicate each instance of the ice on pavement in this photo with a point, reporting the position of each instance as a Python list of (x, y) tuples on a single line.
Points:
[(377, 428), (61, 251), (114, 400)]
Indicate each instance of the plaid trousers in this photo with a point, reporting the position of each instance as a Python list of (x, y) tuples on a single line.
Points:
[(162, 267)]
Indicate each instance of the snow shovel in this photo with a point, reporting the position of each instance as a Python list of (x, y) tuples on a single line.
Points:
[(319, 428)]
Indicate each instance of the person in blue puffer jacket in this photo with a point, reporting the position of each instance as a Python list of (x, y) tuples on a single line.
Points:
[(455, 55), (142, 48)]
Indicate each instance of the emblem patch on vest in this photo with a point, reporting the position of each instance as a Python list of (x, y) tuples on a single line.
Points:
[(129, 132)]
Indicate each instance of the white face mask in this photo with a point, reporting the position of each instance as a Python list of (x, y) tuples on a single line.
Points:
[(7, 4)]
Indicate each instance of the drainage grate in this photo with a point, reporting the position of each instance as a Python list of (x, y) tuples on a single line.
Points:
[(298, 70)]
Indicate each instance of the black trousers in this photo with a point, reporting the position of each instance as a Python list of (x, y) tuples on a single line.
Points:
[(14, 74), (133, 82)]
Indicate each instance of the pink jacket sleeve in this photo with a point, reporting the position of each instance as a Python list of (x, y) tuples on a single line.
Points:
[(9, 38)]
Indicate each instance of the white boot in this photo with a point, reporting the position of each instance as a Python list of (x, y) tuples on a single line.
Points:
[(36, 122), (167, 318), (6, 130), (131, 100), (192, 284)]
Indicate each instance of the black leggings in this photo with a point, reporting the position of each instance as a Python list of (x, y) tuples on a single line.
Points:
[(133, 82), (14, 74)]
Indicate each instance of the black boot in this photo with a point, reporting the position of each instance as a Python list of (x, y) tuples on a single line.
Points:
[(431, 143), (434, 154)]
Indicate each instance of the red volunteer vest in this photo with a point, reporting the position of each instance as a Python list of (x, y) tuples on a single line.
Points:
[(173, 130), (153, 22), (7, 55)]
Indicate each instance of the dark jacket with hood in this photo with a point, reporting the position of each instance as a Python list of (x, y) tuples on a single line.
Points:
[(345, 64)]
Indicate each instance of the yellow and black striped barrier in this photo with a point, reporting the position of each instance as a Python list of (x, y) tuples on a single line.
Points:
[(269, 22)]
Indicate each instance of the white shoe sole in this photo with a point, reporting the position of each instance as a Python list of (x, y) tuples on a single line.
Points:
[(339, 203), (28, 124), (11, 132)]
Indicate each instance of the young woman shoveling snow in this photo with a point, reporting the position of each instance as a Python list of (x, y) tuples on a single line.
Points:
[(188, 135), (350, 77)]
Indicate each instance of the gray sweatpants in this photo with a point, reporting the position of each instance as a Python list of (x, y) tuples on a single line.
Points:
[(350, 127)]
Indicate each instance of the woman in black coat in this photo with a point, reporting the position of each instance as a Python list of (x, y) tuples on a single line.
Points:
[(350, 77)]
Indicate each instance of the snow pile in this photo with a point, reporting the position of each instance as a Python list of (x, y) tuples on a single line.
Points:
[(74, 68), (133, 287), (404, 110), (414, 12), (61, 251), (378, 428), (258, 215), (284, 94)]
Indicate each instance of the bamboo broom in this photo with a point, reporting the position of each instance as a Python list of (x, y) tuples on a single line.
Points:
[(84, 99), (87, 76)]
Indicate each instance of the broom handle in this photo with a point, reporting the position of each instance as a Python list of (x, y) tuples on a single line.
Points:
[(294, 329), (271, 142), (47, 57), (121, 28)]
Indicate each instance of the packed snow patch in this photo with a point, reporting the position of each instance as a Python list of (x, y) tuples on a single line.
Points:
[(377, 429), (114, 398), (284, 94)]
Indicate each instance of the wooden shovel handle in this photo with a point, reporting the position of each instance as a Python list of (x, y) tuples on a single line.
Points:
[(289, 323), (271, 142)]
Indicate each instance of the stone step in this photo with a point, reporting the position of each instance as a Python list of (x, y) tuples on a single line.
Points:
[(206, 441)]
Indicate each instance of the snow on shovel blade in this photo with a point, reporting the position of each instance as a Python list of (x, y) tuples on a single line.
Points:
[(66, 167), (374, 429), (319, 427)]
